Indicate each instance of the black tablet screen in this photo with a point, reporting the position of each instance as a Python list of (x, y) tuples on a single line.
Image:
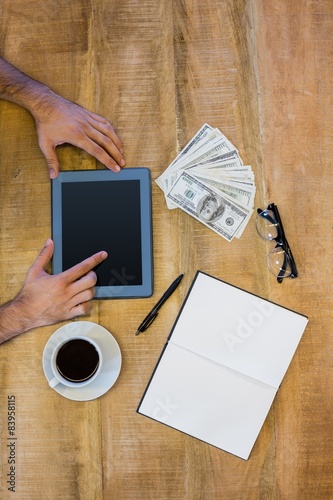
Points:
[(103, 216)]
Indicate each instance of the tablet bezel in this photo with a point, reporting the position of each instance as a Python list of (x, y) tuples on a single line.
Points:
[(141, 174)]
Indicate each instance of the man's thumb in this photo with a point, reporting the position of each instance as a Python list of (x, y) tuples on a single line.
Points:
[(51, 157), (43, 258), (52, 163)]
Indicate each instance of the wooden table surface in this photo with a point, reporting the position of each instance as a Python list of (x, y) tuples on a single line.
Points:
[(260, 71)]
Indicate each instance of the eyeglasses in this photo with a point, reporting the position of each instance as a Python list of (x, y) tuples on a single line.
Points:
[(280, 259)]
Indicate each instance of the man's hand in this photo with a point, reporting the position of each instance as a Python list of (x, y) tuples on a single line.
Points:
[(60, 121), (47, 299)]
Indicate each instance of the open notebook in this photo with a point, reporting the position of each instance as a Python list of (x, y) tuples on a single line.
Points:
[(222, 365)]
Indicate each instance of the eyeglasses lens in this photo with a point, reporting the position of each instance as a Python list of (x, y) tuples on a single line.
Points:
[(279, 262), (266, 225)]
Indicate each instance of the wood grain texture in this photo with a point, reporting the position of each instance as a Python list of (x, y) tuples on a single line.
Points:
[(261, 72)]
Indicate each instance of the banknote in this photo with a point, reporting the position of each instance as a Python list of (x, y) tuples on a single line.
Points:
[(208, 205), (240, 192), (214, 149), (228, 161), (205, 140), (208, 143), (222, 161), (212, 165), (193, 144)]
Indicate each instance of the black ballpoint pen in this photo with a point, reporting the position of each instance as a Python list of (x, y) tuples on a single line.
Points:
[(154, 312)]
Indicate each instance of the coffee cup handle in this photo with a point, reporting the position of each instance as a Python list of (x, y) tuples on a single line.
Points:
[(53, 382)]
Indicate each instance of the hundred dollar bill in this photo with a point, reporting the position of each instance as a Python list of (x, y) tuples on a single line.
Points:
[(214, 149), (220, 169), (228, 161), (208, 140), (171, 176), (238, 174), (242, 194), (209, 206), (238, 179), (193, 144)]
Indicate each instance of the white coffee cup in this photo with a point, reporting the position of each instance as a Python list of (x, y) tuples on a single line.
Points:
[(74, 352)]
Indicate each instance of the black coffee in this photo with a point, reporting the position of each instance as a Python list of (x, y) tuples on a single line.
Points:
[(77, 360)]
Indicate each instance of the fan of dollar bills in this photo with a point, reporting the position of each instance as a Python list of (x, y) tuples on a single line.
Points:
[(209, 181)]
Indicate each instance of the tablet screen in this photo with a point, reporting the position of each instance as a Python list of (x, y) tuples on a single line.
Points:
[(100, 210), (103, 216)]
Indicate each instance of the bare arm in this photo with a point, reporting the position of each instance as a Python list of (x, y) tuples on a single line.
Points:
[(61, 121), (47, 299)]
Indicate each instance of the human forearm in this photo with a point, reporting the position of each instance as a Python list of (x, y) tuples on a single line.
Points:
[(12, 321), (17, 87)]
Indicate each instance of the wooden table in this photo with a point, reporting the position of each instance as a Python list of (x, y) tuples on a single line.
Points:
[(261, 72)]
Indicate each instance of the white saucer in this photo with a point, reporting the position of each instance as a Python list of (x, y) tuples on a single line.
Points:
[(111, 360)]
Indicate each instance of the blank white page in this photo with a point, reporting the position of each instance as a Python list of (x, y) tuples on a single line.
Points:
[(207, 401), (238, 330)]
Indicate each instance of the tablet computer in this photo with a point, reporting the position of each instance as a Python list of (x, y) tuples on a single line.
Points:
[(95, 210)]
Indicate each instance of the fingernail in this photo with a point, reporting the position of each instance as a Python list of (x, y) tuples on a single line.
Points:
[(122, 163), (116, 168), (52, 174), (104, 255)]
